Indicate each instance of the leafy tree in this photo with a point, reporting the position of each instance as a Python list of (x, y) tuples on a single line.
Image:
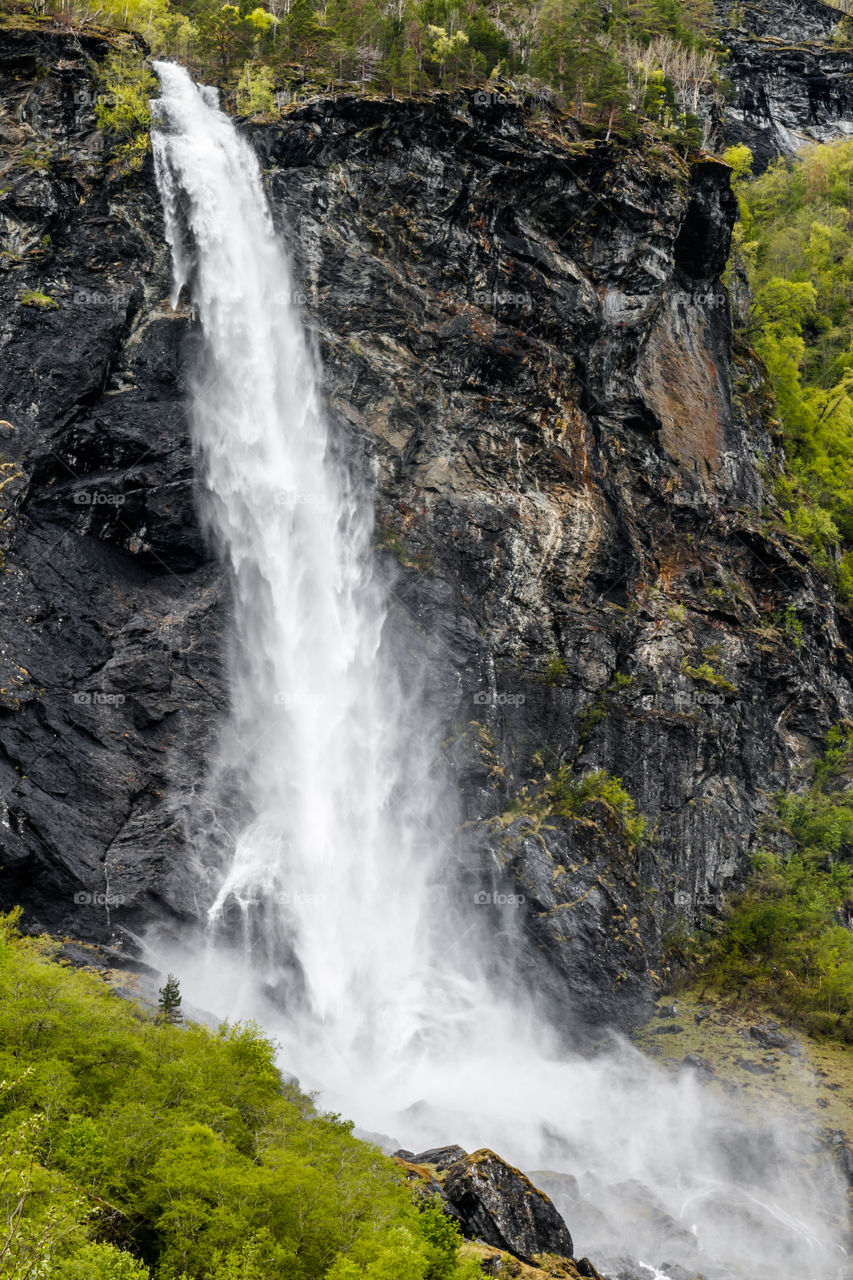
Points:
[(793, 248), (125, 87), (585, 49), (255, 90)]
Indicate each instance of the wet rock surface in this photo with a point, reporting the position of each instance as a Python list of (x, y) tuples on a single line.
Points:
[(792, 81), (500, 1206), (112, 610), (525, 339)]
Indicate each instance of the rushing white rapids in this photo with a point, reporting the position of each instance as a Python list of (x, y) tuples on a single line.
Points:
[(331, 874)]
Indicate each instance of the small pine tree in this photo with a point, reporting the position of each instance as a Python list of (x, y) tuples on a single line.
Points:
[(169, 1004)]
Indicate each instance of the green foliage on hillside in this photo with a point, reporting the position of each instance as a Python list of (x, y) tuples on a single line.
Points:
[(135, 1149), (616, 63), (793, 246), (787, 939)]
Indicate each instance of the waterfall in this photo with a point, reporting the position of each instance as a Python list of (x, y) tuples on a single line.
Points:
[(326, 838)]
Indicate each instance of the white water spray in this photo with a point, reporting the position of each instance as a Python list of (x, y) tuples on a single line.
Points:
[(333, 873)]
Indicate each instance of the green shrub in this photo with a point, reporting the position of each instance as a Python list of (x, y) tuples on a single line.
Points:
[(571, 797), (792, 245), (785, 937), (103, 1262), (708, 672), (255, 90), (125, 86), (555, 670)]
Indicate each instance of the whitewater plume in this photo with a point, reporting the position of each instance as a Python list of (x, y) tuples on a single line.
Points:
[(325, 835)]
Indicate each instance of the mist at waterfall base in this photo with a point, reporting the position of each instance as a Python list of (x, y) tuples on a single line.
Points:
[(324, 834)]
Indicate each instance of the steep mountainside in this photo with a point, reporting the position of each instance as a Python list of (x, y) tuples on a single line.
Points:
[(524, 336), (791, 83)]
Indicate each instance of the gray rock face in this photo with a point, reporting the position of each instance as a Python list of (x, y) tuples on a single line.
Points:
[(525, 339), (792, 83), (112, 611), (500, 1206)]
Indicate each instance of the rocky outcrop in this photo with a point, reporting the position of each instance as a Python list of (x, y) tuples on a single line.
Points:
[(497, 1204), (791, 80), (492, 1202), (525, 338)]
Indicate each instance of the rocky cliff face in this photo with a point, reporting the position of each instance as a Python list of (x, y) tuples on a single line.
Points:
[(112, 610), (791, 82), (524, 336)]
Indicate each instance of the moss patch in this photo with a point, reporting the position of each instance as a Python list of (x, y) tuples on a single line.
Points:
[(35, 298)]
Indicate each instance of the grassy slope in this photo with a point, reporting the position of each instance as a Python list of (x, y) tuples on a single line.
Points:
[(814, 1089)]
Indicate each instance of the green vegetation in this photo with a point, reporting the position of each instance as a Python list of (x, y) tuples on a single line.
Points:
[(134, 1149), (566, 795), (35, 298), (169, 1003), (786, 939), (255, 91), (35, 158), (125, 88), (616, 64), (572, 797), (555, 670), (709, 670), (793, 248), (391, 542)]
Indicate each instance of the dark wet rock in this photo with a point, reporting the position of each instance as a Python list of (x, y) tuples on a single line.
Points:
[(769, 1036), (666, 1010), (500, 1206), (696, 1062), (584, 1268), (843, 1156), (672, 1029), (753, 1067), (111, 609)]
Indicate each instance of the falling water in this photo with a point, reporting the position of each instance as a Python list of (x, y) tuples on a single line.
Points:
[(327, 838)]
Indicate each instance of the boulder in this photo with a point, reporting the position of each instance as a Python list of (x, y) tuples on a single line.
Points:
[(768, 1035), (499, 1205)]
